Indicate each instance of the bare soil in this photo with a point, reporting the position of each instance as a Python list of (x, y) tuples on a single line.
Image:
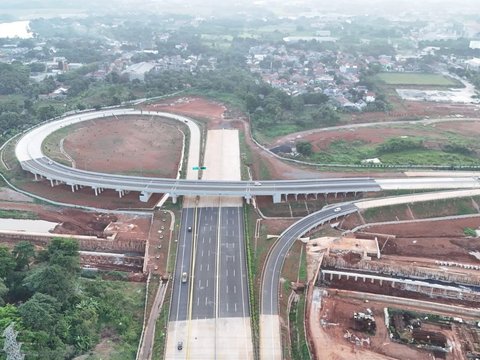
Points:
[(127, 145), (337, 317), (440, 240), (77, 222)]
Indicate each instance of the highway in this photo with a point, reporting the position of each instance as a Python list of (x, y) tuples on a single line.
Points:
[(179, 305), (213, 256)]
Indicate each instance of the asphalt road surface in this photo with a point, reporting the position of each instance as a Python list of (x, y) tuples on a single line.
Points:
[(233, 289), (179, 307), (231, 292), (274, 264), (204, 278)]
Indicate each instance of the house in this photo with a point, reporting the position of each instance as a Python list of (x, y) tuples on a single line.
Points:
[(370, 97)]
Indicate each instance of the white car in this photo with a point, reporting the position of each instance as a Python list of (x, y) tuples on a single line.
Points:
[(257, 183), (337, 209), (184, 277)]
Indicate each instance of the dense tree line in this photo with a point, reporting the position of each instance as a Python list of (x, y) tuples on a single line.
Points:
[(58, 315)]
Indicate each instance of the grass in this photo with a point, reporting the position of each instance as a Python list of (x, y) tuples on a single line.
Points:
[(297, 331), (431, 152), (127, 322), (419, 79), (17, 214), (421, 210), (158, 351)]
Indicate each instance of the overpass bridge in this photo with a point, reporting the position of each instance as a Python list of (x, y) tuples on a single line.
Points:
[(32, 159)]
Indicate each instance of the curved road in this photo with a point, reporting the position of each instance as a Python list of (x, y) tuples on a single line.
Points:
[(270, 340)]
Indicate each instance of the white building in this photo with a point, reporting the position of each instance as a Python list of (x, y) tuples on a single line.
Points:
[(138, 71)]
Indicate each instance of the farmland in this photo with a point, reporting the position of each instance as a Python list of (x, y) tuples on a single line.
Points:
[(417, 79)]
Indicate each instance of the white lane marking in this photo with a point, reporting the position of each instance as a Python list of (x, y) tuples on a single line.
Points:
[(227, 306), (226, 272), (206, 301), (234, 289), (208, 267), (227, 289), (233, 272), (235, 307), (208, 253), (207, 284), (202, 253), (201, 267), (199, 283), (198, 301)]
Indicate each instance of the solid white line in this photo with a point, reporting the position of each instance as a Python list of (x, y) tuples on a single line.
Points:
[(207, 284)]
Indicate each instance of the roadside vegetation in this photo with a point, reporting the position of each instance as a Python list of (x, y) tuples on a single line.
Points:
[(59, 314), (17, 214)]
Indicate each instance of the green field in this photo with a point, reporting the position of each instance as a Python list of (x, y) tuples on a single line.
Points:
[(419, 79)]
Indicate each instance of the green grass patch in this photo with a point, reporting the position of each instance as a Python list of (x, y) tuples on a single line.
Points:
[(420, 79), (427, 157), (297, 331), (17, 214)]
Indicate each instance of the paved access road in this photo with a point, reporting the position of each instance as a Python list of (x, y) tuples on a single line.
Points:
[(270, 340)]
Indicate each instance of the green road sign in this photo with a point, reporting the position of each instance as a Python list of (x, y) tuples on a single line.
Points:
[(195, 168), (203, 168), (199, 168)]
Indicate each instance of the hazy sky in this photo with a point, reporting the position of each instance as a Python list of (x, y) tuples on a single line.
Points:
[(222, 7)]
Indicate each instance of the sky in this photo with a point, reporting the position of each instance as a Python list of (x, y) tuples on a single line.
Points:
[(222, 7)]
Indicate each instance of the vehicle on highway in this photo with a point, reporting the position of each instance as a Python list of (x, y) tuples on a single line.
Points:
[(189, 229), (184, 277), (337, 209), (180, 345), (50, 162), (257, 183)]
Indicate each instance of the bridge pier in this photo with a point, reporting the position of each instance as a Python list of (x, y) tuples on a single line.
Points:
[(96, 191), (248, 198), (174, 198), (277, 198), (120, 193), (73, 188)]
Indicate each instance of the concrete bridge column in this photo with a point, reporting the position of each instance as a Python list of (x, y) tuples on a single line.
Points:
[(331, 276), (36, 177), (73, 188), (51, 182), (96, 191), (120, 193), (277, 198), (372, 280), (381, 282), (339, 276), (174, 198), (248, 198)]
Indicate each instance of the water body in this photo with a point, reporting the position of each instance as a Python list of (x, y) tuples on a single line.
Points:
[(16, 29), (38, 226)]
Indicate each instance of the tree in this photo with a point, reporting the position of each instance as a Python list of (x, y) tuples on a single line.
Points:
[(52, 280), (41, 312), (3, 292), (304, 148), (64, 253), (23, 252), (7, 262)]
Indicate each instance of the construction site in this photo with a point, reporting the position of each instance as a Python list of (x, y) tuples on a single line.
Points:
[(393, 289)]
